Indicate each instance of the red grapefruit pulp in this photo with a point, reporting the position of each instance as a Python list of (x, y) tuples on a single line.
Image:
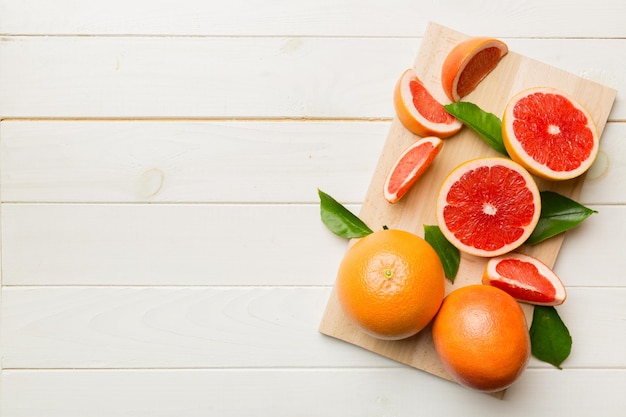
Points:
[(468, 63), (525, 278), (409, 166), (419, 111), (488, 206), (549, 133)]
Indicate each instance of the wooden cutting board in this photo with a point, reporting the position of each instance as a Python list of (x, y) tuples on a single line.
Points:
[(514, 73)]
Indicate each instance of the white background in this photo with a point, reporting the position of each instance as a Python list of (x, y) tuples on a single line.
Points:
[(162, 253)]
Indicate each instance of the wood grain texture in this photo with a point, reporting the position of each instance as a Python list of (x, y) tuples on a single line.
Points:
[(167, 245), (256, 77), (235, 327), (114, 298), (211, 162), (514, 73), (313, 18), (398, 392), (221, 161), (192, 244)]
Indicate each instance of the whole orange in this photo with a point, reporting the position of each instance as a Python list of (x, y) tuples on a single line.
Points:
[(391, 284), (481, 337)]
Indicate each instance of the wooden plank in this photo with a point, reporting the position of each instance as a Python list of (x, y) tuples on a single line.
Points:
[(227, 60), (348, 78), (533, 18), (606, 175), (93, 244), (221, 327), (167, 245), (234, 327), (304, 392), (514, 73), (581, 257), (147, 161), (226, 161), (213, 78)]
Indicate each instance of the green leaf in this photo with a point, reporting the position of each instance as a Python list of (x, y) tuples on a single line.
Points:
[(558, 214), (487, 125), (339, 219), (549, 337), (450, 256)]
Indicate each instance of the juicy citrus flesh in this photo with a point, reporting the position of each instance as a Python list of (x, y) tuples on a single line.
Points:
[(390, 284), (419, 111), (525, 278), (481, 337), (426, 105), (488, 206), (550, 133), (476, 69), (468, 63), (410, 165)]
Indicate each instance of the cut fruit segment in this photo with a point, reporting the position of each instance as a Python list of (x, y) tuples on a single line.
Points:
[(468, 63), (409, 166), (549, 133), (488, 206), (525, 278), (419, 111)]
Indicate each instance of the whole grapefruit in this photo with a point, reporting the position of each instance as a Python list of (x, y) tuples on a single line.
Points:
[(391, 284), (481, 336)]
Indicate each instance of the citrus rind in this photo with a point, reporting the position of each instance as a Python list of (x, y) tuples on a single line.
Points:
[(561, 148), (492, 277), (390, 284), (420, 166), (481, 338), (411, 118), (476, 227), (462, 55)]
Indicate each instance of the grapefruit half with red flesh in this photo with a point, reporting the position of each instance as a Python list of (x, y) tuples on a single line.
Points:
[(419, 111), (549, 133), (488, 206), (409, 166), (525, 278)]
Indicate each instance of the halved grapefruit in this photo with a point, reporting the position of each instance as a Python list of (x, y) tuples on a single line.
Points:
[(409, 166), (488, 206), (525, 278), (468, 63), (549, 133), (419, 111)]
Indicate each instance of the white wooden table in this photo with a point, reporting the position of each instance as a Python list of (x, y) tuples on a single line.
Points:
[(162, 253)]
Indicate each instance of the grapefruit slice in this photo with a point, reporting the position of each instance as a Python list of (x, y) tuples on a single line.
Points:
[(468, 63), (419, 111), (525, 278), (409, 166), (549, 133), (488, 206)]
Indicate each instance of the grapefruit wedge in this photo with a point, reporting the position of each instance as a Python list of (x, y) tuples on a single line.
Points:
[(549, 133), (419, 111), (409, 166), (525, 278), (488, 206), (468, 63)]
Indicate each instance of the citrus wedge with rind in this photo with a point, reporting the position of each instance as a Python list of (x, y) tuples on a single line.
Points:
[(525, 278), (468, 63), (419, 111), (550, 133), (488, 206), (409, 166)]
